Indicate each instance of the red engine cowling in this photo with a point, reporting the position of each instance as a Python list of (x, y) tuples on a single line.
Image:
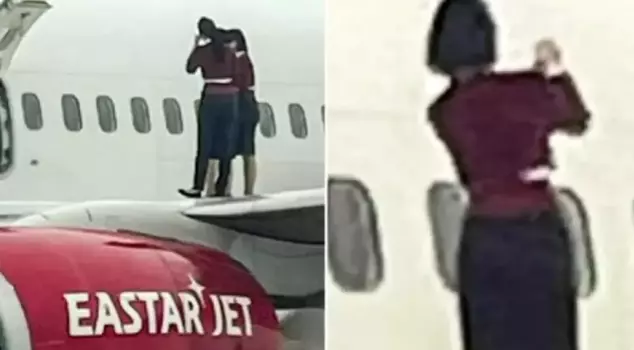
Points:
[(86, 289)]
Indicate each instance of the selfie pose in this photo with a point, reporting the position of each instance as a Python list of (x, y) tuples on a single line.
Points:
[(218, 110), (515, 278)]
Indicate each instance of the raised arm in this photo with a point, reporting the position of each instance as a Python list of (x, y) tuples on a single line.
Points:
[(193, 61), (568, 112), (573, 116)]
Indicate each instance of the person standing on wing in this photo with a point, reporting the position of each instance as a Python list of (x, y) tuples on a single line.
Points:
[(218, 111), (248, 117)]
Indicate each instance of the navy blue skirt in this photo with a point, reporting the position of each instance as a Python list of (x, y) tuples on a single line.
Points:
[(218, 126), (516, 289), (249, 116)]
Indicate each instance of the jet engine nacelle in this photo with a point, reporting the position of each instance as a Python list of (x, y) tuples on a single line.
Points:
[(95, 289)]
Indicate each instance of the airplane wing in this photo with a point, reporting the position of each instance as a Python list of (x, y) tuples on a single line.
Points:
[(13, 210), (305, 301), (296, 216), (293, 217)]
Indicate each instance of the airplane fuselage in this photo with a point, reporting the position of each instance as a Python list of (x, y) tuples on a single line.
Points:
[(78, 73)]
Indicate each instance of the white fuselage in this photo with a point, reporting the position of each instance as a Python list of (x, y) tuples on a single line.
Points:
[(124, 50), (378, 133)]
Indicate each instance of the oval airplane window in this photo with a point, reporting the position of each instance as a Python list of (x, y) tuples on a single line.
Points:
[(447, 203), (72, 113), (577, 221), (355, 257), (267, 120), (323, 114), (196, 106), (297, 116), (140, 115), (32, 110), (173, 116), (106, 114)]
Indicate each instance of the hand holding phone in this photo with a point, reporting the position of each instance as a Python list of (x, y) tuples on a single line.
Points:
[(548, 58)]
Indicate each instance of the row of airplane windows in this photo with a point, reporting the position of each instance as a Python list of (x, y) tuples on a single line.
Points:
[(73, 120), (355, 225)]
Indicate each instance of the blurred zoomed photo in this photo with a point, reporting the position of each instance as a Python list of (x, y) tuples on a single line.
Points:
[(479, 190)]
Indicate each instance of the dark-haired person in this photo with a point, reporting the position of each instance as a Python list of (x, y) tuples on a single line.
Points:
[(515, 266), (219, 102), (248, 116)]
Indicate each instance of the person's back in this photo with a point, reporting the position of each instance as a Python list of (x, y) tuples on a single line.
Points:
[(204, 57), (514, 261), (514, 253), (497, 127)]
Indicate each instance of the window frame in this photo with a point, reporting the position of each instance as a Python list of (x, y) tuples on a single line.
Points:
[(267, 119), (300, 132), (146, 118), (373, 274), (196, 107), (101, 117), (76, 107), (38, 104), (177, 119), (323, 114)]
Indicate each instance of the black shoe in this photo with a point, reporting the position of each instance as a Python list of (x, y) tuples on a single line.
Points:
[(190, 192)]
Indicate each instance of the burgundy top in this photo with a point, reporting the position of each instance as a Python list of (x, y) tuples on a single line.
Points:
[(246, 77), (203, 57), (498, 125)]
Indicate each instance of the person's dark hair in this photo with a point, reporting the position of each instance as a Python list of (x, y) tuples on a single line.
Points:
[(462, 34), (208, 29), (223, 34), (238, 36)]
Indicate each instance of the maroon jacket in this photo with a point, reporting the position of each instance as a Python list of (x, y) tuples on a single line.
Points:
[(203, 57), (245, 78), (498, 125)]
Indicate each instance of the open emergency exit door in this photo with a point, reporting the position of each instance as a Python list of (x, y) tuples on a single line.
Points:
[(16, 19), (447, 203)]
